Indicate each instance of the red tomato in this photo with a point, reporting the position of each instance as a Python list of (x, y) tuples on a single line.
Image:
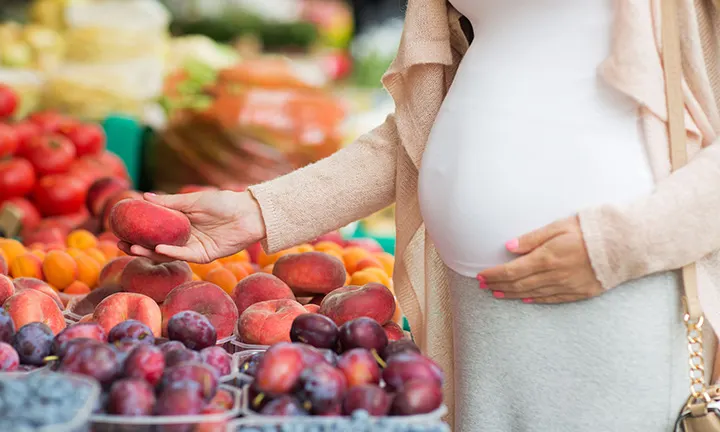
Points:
[(30, 215), (51, 154), (51, 122), (8, 140), (26, 132), (17, 178), (88, 170), (112, 163), (59, 194), (88, 138), (9, 101)]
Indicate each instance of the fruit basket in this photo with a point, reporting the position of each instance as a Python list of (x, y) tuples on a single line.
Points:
[(77, 422), (216, 422)]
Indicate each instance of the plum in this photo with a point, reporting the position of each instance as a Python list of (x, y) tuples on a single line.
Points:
[(359, 367), (284, 406), (218, 359), (316, 330), (417, 397), (78, 331), (403, 368), (97, 361), (179, 398), (7, 327), (330, 356), (368, 397), (321, 389), (9, 359), (178, 356), (193, 329), (70, 346), (123, 350), (397, 347), (257, 399), (168, 346), (249, 366), (33, 342), (362, 333), (311, 355), (145, 362), (279, 369), (131, 397), (199, 373), (132, 331)]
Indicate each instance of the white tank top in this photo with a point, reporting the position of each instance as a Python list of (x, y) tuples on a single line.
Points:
[(528, 133)]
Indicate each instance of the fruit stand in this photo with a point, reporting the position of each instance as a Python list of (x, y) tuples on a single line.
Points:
[(91, 339)]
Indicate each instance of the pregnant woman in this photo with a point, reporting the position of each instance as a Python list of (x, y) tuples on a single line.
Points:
[(539, 229)]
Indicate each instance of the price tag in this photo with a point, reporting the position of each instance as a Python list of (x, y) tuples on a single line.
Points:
[(10, 221)]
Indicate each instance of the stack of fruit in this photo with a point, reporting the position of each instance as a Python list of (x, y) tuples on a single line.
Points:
[(331, 371)]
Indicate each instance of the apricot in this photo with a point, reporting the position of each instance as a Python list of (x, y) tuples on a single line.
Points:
[(387, 260), (81, 239), (97, 255), (108, 249), (304, 248), (38, 253), (148, 225), (260, 287), (325, 246), (239, 270), (4, 267), (242, 256), (370, 274), (264, 260), (368, 262), (202, 270), (88, 270), (223, 278), (60, 269), (310, 272), (27, 265), (142, 276), (77, 287), (372, 300), (352, 256), (12, 248)]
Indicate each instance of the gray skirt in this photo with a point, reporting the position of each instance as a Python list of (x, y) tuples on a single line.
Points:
[(615, 363)]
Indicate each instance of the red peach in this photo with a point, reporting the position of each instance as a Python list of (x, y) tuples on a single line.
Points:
[(372, 300), (205, 298), (312, 308), (142, 276), (112, 271), (27, 283), (7, 289), (32, 306), (147, 224), (393, 331), (123, 306), (101, 191), (310, 272), (128, 194), (268, 322), (260, 287)]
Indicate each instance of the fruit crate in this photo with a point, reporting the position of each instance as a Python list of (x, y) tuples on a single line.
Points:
[(238, 378), (207, 422), (240, 346), (81, 421), (329, 424)]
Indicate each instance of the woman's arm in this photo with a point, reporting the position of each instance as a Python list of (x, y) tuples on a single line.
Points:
[(351, 184), (676, 225)]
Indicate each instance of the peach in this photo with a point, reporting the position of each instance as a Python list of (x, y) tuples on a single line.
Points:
[(101, 191), (147, 224), (310, 272), (108, 249), (46, 235), (87, 304), (60, 269), (333, 236), (12, 248), (312, 308), (7, 289), (116, 198), (259, 287), (27, 265), (254, 251), (4, 268), (81, 239), (372, 300), (108, 236), (207, 299), (268, 322), (142, 276), (86, 319), (28, 283), (393, 331), (120, 307), (33, 306), (112, 271), (317, 299), (223, 278)]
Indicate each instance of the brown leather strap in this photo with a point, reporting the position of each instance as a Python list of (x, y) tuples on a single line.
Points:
[(676, 126)]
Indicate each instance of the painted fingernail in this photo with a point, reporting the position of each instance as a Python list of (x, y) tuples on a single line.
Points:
[(498, 294), (512, 245), (528, 301), (482, 282)]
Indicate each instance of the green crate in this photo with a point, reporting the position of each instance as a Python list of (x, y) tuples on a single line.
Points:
[(125, 137)]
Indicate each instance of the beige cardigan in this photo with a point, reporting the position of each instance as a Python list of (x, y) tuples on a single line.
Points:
[(678, 224)]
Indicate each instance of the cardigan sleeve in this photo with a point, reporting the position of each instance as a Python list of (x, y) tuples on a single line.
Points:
[(679, 223), (349, 185)]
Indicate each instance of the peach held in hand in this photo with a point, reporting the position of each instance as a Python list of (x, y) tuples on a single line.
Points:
[(148, 225)]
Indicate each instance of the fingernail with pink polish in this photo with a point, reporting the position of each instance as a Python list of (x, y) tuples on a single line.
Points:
[(512, 245), (528, 301), (482, 281), (498, 294)]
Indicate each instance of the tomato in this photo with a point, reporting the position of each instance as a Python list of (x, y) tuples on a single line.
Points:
[(88, 170), (112, 163), (87, 138), (30, 215), (59, 194), (8, 140), (51, 154), (26, 132), (51, 122), (17, 178), (9, 101)]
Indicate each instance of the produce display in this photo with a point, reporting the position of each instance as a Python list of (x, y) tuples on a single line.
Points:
[(30, 46)]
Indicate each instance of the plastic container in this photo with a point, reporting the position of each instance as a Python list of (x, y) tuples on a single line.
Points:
[(209, 422), (79, 423), (238, 346), (238, 378), (255, 424)]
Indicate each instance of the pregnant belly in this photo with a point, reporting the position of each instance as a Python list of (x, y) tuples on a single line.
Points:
[(485, 181)]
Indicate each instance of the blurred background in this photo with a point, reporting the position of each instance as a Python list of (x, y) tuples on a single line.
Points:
[(211, 93)]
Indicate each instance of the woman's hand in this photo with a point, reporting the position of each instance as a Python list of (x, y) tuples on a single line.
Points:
[(553, 267), (223, 223)]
